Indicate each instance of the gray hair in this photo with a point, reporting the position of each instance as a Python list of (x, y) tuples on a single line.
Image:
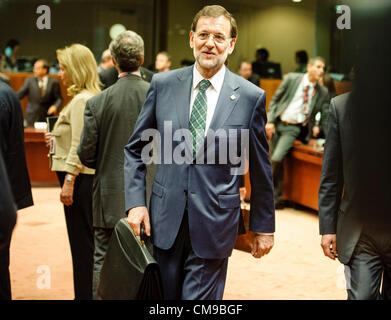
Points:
[(127, 50), (314, 59), (106, 55)]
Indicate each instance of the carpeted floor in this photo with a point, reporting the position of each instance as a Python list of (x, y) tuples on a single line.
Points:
[(295, 269)]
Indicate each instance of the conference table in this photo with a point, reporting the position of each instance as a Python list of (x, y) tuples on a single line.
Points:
[(37, 158), (302, 168)]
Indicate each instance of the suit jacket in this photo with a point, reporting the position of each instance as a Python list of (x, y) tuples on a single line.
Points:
[(209, 191), (12, 146), (338, 190), (66, 133), (110, 76), (7, 207), (286, 91), (4, 78), (109, 119), (38, 106)]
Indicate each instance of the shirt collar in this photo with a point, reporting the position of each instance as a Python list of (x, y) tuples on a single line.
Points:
[(216, 81), (307, 82), (136, 73)]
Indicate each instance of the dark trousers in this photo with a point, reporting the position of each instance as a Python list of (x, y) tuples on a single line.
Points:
[(5, 283), (280, 144), (186, 276), (101, 240), (370, 260), (78, 218)]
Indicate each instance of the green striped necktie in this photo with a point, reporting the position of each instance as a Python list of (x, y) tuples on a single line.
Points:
[(198, 116)]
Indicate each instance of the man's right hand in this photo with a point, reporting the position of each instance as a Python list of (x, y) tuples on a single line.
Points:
[(329, 245), (52, 110), (136, 216), (270, 129)]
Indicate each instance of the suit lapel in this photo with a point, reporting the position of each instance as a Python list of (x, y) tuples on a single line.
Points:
[(182, 93), (48, 84), (36, 82), (297, 82), (314, 99), (226, 102)]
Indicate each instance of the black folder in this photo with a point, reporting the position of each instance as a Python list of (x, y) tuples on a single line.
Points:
[(129, 271), (51, 121)]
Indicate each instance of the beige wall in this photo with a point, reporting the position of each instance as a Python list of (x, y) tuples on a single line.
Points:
[(71, 22), (281, 26), (180, 16)]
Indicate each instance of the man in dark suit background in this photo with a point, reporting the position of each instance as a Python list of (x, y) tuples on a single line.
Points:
[(7, 223), (194, 211), (353, 209), (291, 116), (109, 119), (265, 68), (355, 187), (246, 71), (12, 148), (7, 210), (110, 76), (43, 92)]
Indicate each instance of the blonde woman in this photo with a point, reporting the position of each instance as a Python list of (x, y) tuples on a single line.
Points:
[(78, 71)]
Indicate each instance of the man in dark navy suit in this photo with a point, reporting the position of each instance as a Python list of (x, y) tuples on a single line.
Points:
[(12, 149), (355, 186), (195, 210)]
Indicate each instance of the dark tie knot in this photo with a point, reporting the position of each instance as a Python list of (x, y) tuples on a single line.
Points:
[(204, 84)]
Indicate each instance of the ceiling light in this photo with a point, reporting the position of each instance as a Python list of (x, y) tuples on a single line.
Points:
[(116, 29)]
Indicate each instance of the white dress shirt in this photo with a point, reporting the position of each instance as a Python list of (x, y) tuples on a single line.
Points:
[(43, 82), (136, 73), (212, 93), (294, 112)]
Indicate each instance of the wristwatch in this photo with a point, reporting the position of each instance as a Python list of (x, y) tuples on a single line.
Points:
[(69, 177)]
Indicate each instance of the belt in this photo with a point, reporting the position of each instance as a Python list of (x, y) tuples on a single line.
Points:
[(291, 124)]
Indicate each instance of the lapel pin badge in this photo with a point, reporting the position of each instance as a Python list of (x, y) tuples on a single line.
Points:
[(233, 97)]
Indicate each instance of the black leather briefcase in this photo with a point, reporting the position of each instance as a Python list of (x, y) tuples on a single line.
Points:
[(129, 271)]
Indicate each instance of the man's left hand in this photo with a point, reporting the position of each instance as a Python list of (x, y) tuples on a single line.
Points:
[(52, 110), (242, 193), (315, 131), (262, 244), (66, 195)]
